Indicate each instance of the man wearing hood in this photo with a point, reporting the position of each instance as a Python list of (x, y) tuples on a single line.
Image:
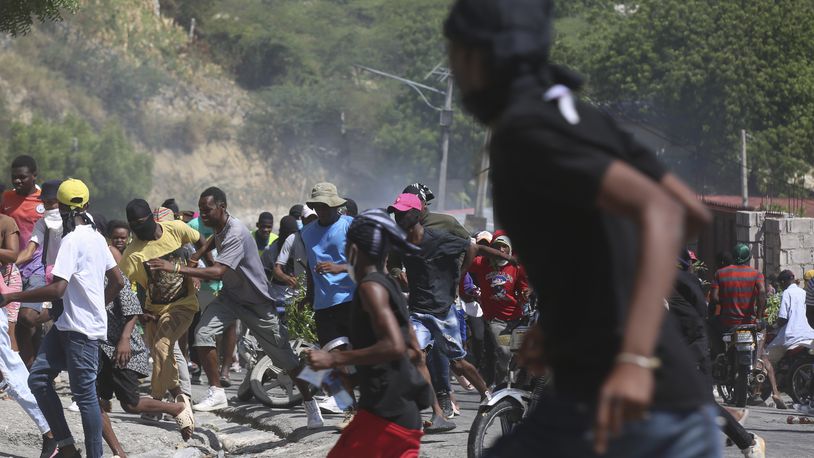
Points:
[(618, 210), (504, 289)]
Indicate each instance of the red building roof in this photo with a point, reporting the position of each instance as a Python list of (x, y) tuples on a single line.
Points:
[(779, 204)]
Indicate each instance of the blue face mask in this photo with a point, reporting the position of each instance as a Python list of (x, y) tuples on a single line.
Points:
[(299, 224)]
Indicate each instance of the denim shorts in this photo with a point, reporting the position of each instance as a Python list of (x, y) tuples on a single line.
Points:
[(33, 282), (441, 333)]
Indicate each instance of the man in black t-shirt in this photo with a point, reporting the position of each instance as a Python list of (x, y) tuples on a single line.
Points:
[(433, 276), (617, 208)]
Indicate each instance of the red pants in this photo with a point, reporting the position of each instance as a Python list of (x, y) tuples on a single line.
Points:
[(371, 436)]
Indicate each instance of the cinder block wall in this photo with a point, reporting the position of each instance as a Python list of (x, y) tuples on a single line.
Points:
[(777, 242)]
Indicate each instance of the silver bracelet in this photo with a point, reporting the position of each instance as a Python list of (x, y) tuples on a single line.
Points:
[(638, 360)]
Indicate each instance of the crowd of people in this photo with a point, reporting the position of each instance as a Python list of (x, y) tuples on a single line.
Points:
[(404, 298)]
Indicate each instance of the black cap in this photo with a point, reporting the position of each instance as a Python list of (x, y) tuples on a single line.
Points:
[(785, 276), (421, 190), (49, 189), (296, 211)]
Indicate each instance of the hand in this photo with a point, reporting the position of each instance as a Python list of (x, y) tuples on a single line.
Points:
[(329, 268), (624, 396), (123, 354), (291, 282), (319, 359), (145, 317), (161, 264), (530, 355), (196, 283)]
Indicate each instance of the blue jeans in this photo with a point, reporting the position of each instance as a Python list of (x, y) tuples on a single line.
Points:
[(443, 333), (563, 428), (74, 352)]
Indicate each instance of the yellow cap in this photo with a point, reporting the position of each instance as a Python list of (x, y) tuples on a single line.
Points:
[(73, 193), (808, 275)]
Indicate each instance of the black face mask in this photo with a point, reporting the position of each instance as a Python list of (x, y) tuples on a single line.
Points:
[(485, 104), (144, 230)]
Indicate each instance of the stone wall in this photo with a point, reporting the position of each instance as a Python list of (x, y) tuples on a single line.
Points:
[(788, 244), (749, 229)]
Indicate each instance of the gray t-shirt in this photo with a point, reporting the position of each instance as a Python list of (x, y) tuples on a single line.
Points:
[(245, 280)]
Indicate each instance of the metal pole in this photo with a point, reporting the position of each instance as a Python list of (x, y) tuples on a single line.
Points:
[(744, 183), (446, 122), (483, 176)]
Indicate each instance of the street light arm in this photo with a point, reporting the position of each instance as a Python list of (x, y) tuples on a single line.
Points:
[(412, 84)]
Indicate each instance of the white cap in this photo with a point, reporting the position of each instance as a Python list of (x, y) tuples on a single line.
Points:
[(307, 211)]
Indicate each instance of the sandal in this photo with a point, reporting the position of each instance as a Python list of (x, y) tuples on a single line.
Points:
[(185, 419)]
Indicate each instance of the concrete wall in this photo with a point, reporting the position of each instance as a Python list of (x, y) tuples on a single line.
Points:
[(778, 242)]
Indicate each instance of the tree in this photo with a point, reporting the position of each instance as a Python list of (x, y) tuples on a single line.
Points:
[(17, 16), (702, 70), (104, 160)]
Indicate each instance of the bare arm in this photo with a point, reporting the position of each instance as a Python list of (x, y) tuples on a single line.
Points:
[(627, 392), (123, 349), (283, 277), (389, 344), (211, 273), (48, 293), (26, 254), (203, 251), (115, 283), (761, 299), (11, 247)]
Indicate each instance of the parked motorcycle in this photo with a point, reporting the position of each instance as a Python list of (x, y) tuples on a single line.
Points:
[(510, 403), (737, 371), (794, 373)]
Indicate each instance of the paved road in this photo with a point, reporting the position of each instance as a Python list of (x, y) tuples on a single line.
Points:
[(249, 429)]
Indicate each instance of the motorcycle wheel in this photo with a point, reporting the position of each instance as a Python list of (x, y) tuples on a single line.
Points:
[(491, 424), (272, 386), (801, 373), (741, 386), (244, 391)]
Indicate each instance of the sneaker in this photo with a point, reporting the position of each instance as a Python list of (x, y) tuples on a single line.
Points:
[(349, 414), (151, 417), (455, 409), (235, 367), (73, 407), (446, 405), (49, 447), (438, 425), (758, 450), (225, 382), (215, 399), (314, 415), (328, 405)]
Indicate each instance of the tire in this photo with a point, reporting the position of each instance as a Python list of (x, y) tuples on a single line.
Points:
[(800, 376), (272, 386), (244, 391), (741, 386), (508, 411)]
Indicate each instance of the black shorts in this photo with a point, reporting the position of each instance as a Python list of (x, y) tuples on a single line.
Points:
[(113, 380), (333, 322)]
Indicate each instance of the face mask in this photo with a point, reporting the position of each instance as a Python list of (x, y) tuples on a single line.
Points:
[(485, 104), (144, 230), (52, 218), (299, 225)]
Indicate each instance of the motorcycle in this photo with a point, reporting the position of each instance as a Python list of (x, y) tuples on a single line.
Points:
[(509, 404), (794, 373), (737, 371)]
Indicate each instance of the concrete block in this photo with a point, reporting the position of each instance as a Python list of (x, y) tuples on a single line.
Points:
[(746, 218), (772, 225), (801, 256), (790, 242), (800, 225)]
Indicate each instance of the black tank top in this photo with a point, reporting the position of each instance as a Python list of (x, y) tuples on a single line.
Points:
[(393, 390)]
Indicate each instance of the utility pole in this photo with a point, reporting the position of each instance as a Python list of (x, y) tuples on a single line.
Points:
[(483, 175), (446, 123), (744, 182)]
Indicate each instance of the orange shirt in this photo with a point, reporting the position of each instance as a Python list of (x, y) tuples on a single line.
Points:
[(25, 210)]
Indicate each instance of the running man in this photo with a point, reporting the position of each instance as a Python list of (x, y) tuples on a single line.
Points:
[(244, 297), (82, 265), (618, 208)]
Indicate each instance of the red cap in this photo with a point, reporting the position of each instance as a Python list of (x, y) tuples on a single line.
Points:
[(405, 202)]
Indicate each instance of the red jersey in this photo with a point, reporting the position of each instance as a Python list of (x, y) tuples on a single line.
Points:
[(501, 288), (25, 210), (737, 293)]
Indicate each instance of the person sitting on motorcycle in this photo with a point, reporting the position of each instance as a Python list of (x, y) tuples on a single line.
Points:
[(504, 290), (736, 308), (793, 327)]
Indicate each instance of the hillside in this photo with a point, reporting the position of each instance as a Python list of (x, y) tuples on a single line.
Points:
[(119, 61)]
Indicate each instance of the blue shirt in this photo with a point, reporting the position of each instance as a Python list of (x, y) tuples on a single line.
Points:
[(327, 244)]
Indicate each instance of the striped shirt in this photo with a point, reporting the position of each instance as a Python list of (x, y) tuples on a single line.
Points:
[(737, 293), (810, 293)]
